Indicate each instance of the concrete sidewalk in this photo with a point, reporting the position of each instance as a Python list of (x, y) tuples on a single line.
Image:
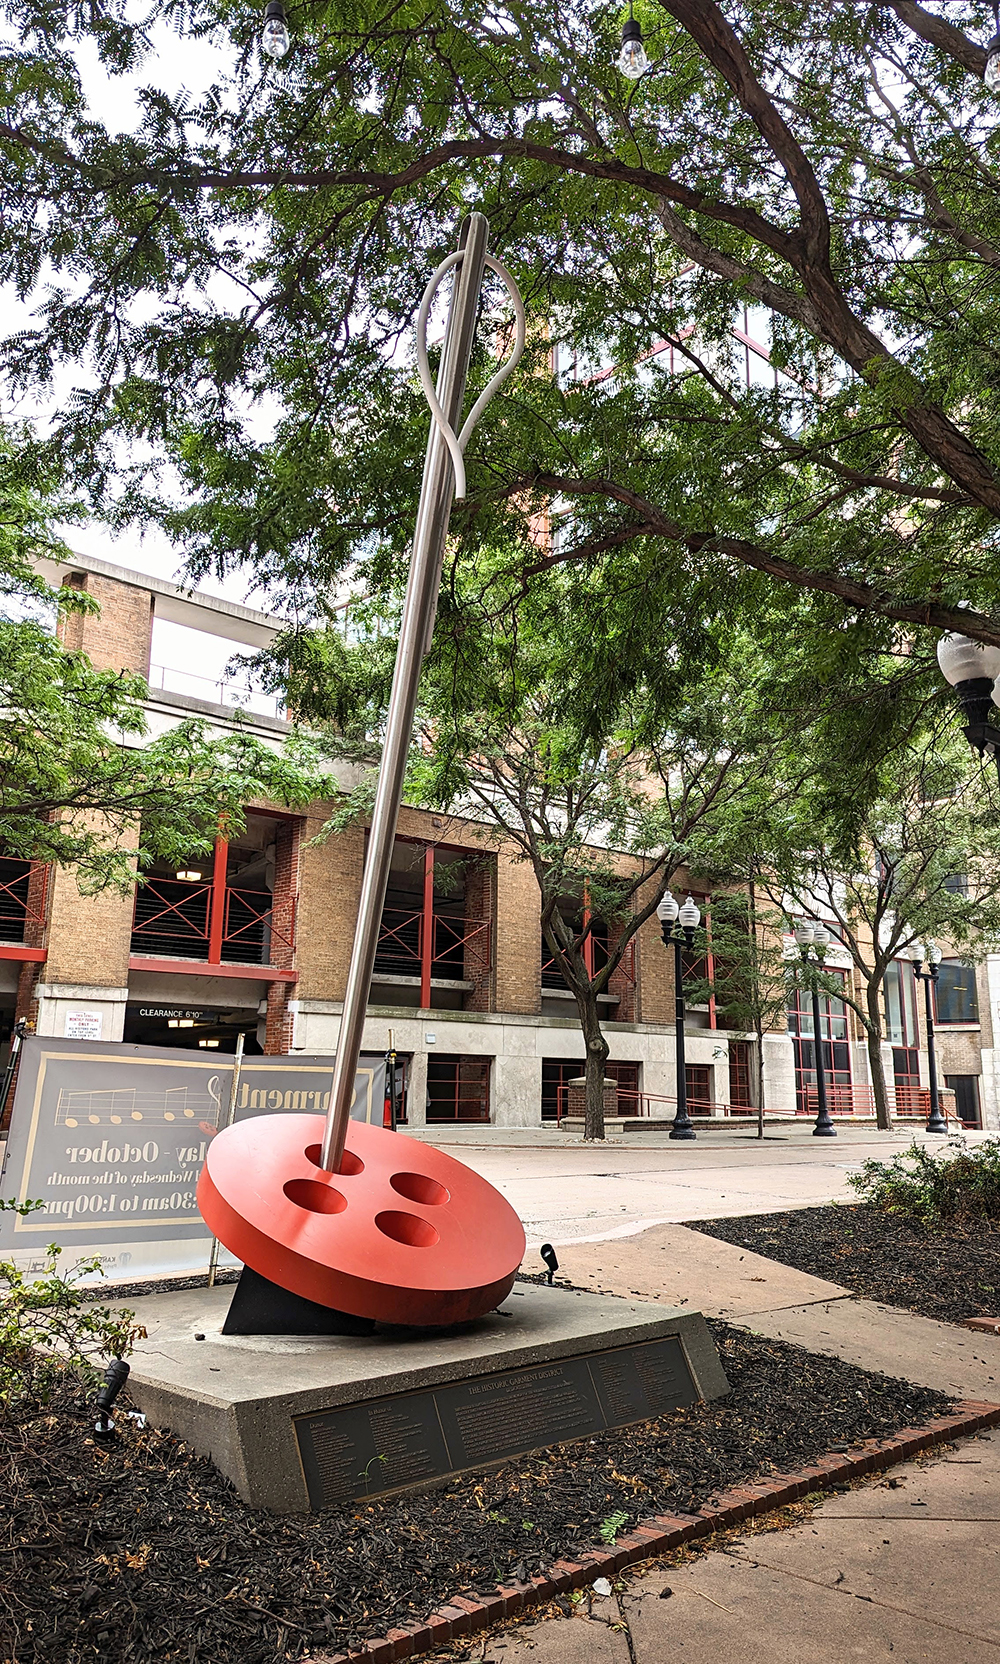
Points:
[(681, 1267), (568, 1191), (904, 1568)]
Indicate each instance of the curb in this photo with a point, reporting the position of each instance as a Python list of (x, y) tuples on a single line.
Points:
[(663, 1532)]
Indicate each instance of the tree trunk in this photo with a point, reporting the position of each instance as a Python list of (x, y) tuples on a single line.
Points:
[(760, 1083), (873, 1034), (597, 1057)]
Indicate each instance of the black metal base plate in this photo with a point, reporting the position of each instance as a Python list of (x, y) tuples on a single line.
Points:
[(260, 1307)]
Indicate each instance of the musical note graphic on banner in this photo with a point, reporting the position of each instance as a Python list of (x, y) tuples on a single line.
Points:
[(117, 1106)]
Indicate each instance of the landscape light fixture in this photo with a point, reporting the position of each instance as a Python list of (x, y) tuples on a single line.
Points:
[(274, 37), (992, 72), (632, 59), (918, 953), (973, 670), (678, 925), (115, 1376), (811, 934), (548, 1254)]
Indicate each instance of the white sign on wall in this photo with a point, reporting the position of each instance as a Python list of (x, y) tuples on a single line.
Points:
[(83, 1025)]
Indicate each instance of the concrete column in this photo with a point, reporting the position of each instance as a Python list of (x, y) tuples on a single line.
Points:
[(989, 1091), (416, 1091), (67, 1007), (516, 1097), (720, 1084), (779, 1074)]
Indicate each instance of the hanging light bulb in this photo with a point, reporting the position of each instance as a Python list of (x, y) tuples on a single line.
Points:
[(632, 59), (274, 37)]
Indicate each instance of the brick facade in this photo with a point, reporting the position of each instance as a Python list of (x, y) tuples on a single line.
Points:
[(88, 935), (518, 944), (119, 636), (328, 906), (479, 958), (654, 969)]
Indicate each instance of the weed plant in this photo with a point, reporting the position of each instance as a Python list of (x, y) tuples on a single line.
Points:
[(953, 1189), (51, 1328)]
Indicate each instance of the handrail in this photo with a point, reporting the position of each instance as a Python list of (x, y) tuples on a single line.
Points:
[(401, 937), (184, 917), (552, 976), (642, 1100)]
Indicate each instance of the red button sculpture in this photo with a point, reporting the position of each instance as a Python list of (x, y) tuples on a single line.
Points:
[(402, 1234)]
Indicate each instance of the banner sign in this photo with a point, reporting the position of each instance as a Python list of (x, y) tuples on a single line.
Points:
[(112, 1138)]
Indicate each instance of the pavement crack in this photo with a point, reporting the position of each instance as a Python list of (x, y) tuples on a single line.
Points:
[(624, 1628), (871, 1600)]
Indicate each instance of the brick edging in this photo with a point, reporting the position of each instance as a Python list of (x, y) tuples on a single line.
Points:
[(462, 1616)]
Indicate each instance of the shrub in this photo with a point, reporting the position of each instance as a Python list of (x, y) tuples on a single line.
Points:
[(954, 1188), (49, 1329)]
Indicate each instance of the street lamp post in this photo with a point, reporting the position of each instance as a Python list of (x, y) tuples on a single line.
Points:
[(973, 670), (935, 1121), (817, 937), (678, 925)]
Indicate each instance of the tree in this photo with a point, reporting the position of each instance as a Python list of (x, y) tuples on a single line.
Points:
[(892, 882), (80, 783), (751, 970), (605, 797), (833, 168)]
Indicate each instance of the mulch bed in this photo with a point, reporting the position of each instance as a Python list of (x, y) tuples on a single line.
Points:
[(140, 1551), (880, 1257)]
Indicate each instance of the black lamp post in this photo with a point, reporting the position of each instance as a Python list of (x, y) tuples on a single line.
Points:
[(935, 1121), (678, 925), (816, 937), (973, 669)]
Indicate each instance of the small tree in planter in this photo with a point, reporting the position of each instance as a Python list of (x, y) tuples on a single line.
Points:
[(888, 879)]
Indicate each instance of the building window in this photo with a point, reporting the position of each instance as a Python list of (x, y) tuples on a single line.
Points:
[(955, 993), (903, 1034), (458, 1088), (557, 1074), (835, 1045), (966, 1090), (235, 907), (698, 1079), (740, 1078)]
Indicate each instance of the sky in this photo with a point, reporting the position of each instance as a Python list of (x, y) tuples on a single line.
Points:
[(187, 655)]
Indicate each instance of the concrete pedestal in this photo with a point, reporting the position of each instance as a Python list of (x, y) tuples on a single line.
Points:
[(299, 1422)]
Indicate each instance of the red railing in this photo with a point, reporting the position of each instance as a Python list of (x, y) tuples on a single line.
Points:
[(22, 913), (916, 1101), (176, 918), (249, 933), (552, 976), (648, 1105), (460, 947), (840, 1100)]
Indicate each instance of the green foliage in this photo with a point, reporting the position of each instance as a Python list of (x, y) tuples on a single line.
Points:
[(50, 1329), (831, 169), (954, 1189), (81, 782), (608, 1529)]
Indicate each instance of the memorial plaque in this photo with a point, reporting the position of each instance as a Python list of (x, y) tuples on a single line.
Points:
[(398, 1443)]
